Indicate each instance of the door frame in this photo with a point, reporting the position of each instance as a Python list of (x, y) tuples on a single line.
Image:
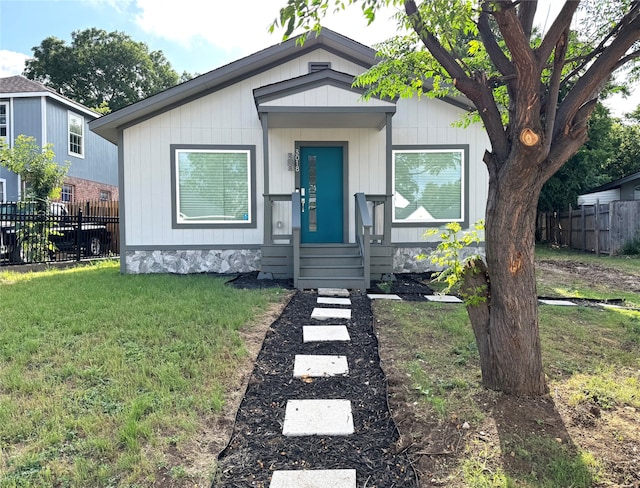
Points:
[(345, 177)]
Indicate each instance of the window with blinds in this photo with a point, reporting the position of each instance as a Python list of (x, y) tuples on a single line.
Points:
[(213, 186), (76, 135), (428, 185)]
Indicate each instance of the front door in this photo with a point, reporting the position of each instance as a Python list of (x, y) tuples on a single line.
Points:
[(321, 189)]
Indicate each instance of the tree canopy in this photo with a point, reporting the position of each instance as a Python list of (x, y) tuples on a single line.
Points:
[(102, 70), (534, 95)]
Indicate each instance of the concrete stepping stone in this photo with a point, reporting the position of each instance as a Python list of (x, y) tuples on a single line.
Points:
[(333, 301), (325, 333), (318, 366), (443, 298), (563, 303), (318, 417), (331, 313), (383, 296), (316, 478), (333, 292)]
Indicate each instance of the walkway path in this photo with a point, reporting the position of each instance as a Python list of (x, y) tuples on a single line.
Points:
[(315, 413)]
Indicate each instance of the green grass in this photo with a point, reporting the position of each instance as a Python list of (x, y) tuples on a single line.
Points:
[(101, 372), (591, 358)]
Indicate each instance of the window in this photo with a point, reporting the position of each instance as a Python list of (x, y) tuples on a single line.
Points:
[(68, 193), (428, 185), (214, 186), (76, 135), (105, 196), (3, 190), (4, 121)]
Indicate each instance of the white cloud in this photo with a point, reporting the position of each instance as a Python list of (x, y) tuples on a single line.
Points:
[(11, 63), (223, 25)]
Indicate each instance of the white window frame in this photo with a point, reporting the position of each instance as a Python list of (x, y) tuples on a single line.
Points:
[(178, 221), (70, 116), (463, 183), (71, 193), (3, 190), (6, 125)]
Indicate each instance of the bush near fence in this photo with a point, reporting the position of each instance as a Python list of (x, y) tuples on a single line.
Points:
[(600, 228)]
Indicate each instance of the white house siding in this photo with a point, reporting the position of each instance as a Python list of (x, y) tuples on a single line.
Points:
[(227, 116), (325, 96), (600, 197)]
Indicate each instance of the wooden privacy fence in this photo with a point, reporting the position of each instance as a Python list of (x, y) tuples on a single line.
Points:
[(599, 228), (104, 211)]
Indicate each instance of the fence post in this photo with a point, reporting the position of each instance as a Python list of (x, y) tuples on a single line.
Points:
[(584, 228), (597, 226), (78, 232), (570, 225)]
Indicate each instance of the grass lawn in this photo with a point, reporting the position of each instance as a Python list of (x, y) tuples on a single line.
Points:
[(585, 433), (114, 380)]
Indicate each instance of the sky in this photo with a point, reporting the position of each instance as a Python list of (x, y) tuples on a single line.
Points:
[(195, 35)]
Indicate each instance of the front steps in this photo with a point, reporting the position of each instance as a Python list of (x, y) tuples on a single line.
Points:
[(331, 265)]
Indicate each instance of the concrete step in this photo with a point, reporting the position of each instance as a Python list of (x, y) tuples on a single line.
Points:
[(337, 281)]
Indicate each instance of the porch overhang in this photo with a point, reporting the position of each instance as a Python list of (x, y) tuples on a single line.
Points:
[(326, 117), (322, 99)]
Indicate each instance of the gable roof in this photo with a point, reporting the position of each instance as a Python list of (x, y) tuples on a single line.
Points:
[(21, 87), (236, 71)]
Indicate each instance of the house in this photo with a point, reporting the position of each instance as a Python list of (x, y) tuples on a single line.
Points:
[(275, 163), (32, 109), (627, 188)]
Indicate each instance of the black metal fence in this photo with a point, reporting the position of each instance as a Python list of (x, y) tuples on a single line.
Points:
[(39, 232)]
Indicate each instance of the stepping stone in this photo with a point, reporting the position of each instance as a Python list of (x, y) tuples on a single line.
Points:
[(333, 292), (325, 333), (318, 366), (383, 296), (564, 303), (443, 298), (334, 301), (318, 417), (317, 478), (330, 313)]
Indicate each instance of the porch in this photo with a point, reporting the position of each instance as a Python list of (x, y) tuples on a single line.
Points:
[(349, 265)]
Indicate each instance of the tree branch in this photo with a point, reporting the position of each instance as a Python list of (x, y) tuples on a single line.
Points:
[(503, 63), (526, 14), (557, 29), (478, 91), (554, 88), (599, 71)]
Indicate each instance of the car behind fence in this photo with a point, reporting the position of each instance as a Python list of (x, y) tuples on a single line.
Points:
[(37, 232)]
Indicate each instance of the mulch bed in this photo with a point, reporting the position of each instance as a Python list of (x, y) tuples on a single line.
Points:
[(257, 446)]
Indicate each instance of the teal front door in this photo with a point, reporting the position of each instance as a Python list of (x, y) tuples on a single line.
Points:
[(321, 190)]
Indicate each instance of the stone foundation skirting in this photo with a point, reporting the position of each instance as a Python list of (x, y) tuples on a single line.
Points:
[(193, 261), (408, 260)]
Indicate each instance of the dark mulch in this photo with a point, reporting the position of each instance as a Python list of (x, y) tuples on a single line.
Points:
[(409, 286), (250, 281), (257, 446)]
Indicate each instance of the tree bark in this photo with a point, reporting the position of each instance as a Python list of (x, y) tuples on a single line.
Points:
[(506, 324)]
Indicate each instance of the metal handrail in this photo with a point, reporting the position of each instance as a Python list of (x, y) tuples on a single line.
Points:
[(363, 224), (296, 218)]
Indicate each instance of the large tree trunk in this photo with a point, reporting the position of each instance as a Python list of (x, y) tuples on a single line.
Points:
[(506, 323)]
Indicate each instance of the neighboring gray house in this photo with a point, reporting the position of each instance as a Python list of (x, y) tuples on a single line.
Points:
[(32, 109), (627, 188), (275, 163)]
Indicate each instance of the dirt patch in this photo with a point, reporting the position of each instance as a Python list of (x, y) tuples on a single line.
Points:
[(558, 269)]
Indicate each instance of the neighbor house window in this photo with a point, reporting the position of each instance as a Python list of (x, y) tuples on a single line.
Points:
[(428, 185), (76, 135), (3, 190), (68, 193), (4, 122), (214, 185), (105, 196)]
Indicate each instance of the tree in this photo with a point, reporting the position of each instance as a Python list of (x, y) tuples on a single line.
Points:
[(37, 168), (534, 97), (587, 168), (105, 71), (626, 159)]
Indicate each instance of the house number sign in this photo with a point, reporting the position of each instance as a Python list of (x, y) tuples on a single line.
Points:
[(297, 160)]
